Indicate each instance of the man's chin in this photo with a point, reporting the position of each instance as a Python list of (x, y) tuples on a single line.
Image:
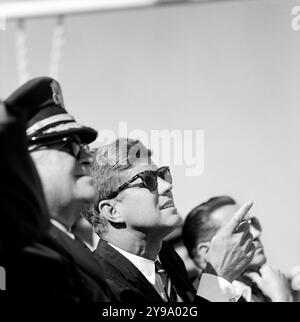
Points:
[(85, 178), (86, 190), (170, 226), (171, 216), (177, 219)]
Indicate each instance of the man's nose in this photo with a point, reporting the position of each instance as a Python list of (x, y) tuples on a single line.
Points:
[(163, 187), (256, 233)]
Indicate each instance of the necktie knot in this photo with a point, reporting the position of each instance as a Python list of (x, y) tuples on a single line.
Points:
[(163, 274), (169, 290)]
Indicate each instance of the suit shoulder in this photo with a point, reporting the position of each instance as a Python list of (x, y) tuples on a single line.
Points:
[(44, 251), (111, 271)]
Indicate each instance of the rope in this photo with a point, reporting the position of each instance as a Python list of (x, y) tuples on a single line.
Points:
[(22, 52), (58, 42)]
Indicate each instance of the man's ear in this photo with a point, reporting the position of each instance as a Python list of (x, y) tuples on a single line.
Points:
[(109, 209), (202, 250)]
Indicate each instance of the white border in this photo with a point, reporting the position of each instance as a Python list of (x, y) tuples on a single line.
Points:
[(36, 9)]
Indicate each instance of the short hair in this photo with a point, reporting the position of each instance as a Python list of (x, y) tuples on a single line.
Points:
[(198, 226), (110, 161)]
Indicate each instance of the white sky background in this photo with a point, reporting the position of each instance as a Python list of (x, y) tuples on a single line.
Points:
[(230, 69)]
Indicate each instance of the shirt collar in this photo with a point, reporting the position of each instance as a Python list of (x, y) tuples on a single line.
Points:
[(241, 289), (62, 228), (144, 265)]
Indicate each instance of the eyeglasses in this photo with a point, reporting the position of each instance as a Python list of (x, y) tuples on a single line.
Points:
[(149, 180), (69, 144)]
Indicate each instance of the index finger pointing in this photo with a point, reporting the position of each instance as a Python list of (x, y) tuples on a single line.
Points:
[(238, 217)]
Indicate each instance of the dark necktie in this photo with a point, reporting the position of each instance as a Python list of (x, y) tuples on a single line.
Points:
[(170, 291)]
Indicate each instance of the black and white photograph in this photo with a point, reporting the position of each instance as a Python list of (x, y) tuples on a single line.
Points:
[(150, 154)]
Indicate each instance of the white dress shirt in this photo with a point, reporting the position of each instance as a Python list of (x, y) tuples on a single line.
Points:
[(144, 265), (62, 228), (242, 289)]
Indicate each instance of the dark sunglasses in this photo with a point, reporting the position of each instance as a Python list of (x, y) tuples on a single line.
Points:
[(149, 180), (68, 144)]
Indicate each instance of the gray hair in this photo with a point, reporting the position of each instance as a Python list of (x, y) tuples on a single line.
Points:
[(110, 161)]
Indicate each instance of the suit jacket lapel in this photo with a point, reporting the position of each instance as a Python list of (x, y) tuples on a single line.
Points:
[(128, 271), (178, 276), (81, 255)]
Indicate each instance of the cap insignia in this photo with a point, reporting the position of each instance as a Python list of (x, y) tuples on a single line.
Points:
[(57, 94)]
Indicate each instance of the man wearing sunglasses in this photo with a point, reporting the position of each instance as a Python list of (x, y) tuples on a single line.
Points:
[(259, 282), (57, 266), (134, 212)]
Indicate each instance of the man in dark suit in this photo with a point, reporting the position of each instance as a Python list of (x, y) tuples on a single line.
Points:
[(259, 282), (57, 266), (23, 211), (134, 212)]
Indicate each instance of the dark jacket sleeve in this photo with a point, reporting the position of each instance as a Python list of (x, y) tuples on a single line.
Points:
[(23, 211), (42, 274)]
